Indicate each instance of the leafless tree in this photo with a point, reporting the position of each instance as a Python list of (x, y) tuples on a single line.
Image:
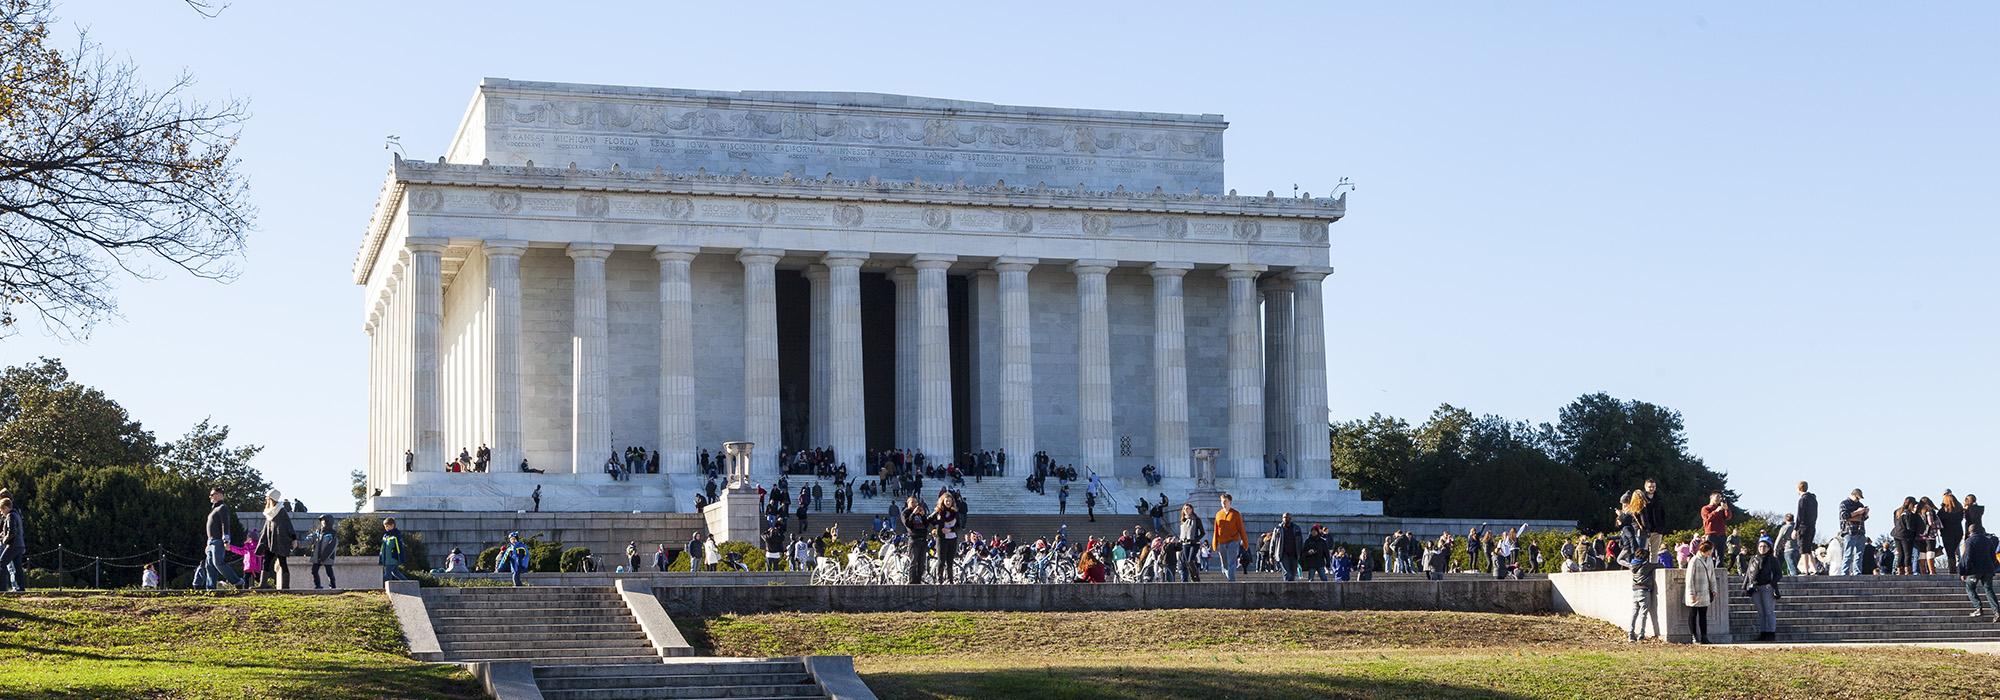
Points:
[(100, 173)]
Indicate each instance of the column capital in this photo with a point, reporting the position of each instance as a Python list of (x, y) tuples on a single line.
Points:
[(815, 271), (1015, 264), (589, 251), (504, 248), (1275, 283), (1092, 267), (1168, 269), (1308, 273), (903, 275), (1242, 271), (426, 245), (985, 272), (759, 256), (932, 261), (675, 253), (843, 258)]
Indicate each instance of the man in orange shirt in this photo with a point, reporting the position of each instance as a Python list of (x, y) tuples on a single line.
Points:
[(1229, 537)]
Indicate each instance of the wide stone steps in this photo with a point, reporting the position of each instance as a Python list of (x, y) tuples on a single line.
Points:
[(553, 606), (1866, 609), (512, 641), (565, 657), (484, 626), (716, 678)]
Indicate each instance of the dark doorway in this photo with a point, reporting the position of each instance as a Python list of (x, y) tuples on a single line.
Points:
[(958, 297), (878, 365), (794, 359)]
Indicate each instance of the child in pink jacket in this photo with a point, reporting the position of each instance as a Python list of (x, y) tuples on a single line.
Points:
[(253, 565)]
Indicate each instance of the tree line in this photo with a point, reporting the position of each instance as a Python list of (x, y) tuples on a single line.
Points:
[(1457, 465)]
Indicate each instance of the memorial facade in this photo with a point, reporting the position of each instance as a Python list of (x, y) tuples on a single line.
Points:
[(593, 268)]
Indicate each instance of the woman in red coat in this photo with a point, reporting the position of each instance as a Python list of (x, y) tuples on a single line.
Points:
[(1089, 570)]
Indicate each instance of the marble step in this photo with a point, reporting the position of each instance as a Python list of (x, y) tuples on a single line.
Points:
[(735, 692), (496, 640), (469, 629), (678, 667), (673, 681)]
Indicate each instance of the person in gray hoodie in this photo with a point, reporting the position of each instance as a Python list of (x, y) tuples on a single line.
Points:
[(322, 542)]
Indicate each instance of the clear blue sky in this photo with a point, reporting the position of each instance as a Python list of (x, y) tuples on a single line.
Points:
[(1774, 218)]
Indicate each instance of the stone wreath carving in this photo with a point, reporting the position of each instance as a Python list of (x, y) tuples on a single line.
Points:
[(593, 205), (1249, 230), (763, 212), (1020, 222), (426, 200), (937, 217), (1312, 231), (847, 215), (1176, 227), (505, 202), (679, 208), (1096, 224)]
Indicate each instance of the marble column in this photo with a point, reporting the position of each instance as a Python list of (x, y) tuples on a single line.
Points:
[(590, 349), (1246, 376), (373, 452), (906, 357), (503, 286), (1170, 394), (816, 389), (1279, 387), (396, 354), (847, 427), (677, 405), (426, 315), (983, 386), (1093, 367), (1017, 366), (1309, 373), (934, 434), (760, 357)]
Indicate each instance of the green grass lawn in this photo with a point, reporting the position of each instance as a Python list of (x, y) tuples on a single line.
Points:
[(1218, 654), (183, 645)]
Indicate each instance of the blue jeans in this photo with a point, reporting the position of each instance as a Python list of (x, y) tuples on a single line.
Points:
[(1232, 554), (509, 566), (216, 565), (1972, 586), (392, 572), (1791, 559), (11, 571), (1852, 549), (1290, 565)]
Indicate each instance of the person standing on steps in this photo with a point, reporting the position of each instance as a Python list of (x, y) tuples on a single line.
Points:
[(632, 556), (694, 552), (1062, 500), (1653, 517), (1090, 504), (1853, 534), (513, 557), (1951, 528), (1976, 565), (537, 495), (662, 559), (1701, 590), (1715, 523), (1230, 538), (1760, 580), (1807, 520)]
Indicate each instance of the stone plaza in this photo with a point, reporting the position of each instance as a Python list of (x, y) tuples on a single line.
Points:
[(592, 268)]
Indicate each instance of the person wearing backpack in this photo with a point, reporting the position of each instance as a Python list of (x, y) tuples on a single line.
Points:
[(1192, 537), (513, 557)]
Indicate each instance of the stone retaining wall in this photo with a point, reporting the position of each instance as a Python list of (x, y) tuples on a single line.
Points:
[(1528, 596)]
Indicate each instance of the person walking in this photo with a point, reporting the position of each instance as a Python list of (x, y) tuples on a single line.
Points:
[(711, 553), (1760, 580), (916, 527), (1090, 504), (662, 559), (221, 520), (1193, 537), (1853, 533), (1788, 545), (1286, 538), (322, 544), (1951, 528), (1807, 517), (1701, 590), (1315, 555), (632, 556), (279, 537), (1645, 595), (694, 552), (13, 548), (1715, 522), (392, 552), (1976, 566), (1230, 538)]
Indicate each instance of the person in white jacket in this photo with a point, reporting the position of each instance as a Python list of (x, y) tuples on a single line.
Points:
[(1701, 590)]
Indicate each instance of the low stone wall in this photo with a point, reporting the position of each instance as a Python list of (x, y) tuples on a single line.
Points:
[(600, 578), (1607, 596), (1529, 596)]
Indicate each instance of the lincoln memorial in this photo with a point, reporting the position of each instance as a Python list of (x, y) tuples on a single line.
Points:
[(593, 268)]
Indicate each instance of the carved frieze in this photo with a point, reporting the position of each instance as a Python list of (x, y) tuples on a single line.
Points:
[(1249, 230)]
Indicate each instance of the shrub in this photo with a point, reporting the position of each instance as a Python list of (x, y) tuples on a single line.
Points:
[(751, 554), (361, 536), (489, 559), (544, 557), (105, 511), (572, 558)]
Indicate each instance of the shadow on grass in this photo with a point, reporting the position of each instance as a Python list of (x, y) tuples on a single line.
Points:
[(315, 679), (1151, 683)]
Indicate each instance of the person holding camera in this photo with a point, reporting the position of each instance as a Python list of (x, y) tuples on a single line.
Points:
[(1715, 523)]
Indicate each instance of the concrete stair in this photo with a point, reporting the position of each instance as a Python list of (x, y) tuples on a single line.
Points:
[(541, 625), (1866, 609), (741, 679)]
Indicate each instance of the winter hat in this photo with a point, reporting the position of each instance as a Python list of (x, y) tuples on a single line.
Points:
[(274, 495)]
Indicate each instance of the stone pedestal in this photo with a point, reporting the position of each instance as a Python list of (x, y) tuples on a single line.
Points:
[(734, 516), (1206, 493)]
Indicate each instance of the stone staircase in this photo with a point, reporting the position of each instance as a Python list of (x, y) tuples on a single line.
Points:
[(1866, 609), (584, 643), (740, 679)]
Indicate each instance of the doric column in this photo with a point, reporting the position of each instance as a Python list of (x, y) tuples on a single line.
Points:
[(847, 427), (1309, 373), (1170, 399), (906, 356), (816, 390), (983, 385), (933, 358), (590, 347), (1093, 366), (1017, 367), (396, 355), (1279, 388), (372, 453), (503, 285), (760, 357), (677, 409), (427, 314), (1246, 377)]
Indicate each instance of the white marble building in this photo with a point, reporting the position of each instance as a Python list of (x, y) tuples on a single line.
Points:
[(597, 267)]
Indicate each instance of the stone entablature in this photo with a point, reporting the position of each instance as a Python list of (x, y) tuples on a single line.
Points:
[(903, 137), (528, 192)]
